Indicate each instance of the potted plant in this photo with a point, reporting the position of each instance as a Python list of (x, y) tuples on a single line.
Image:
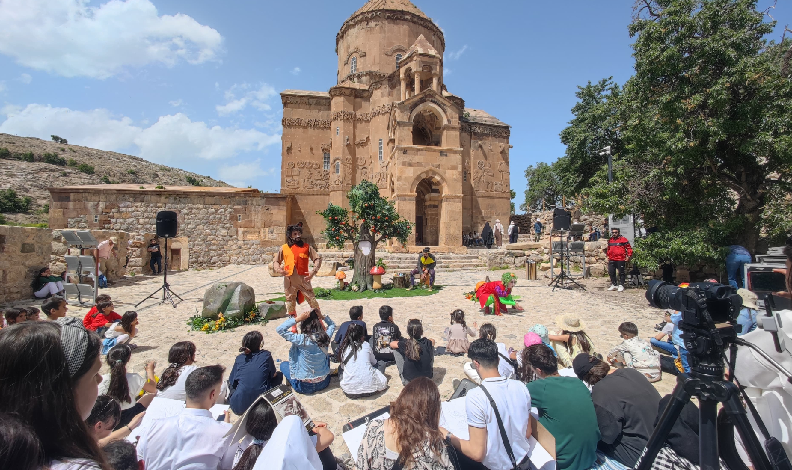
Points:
[(377, 271)]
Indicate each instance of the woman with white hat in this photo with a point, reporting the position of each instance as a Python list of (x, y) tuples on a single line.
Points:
[(571, 339), (747, 318)]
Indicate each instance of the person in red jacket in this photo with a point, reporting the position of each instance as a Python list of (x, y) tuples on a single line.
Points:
[(619, 252), (101, 315)]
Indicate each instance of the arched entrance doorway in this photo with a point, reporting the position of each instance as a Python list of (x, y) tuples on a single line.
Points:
[(428, 207)]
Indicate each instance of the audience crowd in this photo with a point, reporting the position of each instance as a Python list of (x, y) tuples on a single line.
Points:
[(57, 411)]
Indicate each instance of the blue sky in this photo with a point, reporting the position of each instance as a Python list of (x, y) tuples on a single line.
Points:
[(194, 84)]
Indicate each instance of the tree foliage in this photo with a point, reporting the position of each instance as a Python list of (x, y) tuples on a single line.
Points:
[(370, 217), (10, 202), (544, 187)]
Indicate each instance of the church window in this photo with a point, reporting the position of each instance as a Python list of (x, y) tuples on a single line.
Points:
[(239, 217), (96, 219), (338, 168), (338, 129), (353, 68), (380, 149), (398, 59), (464, 175), (326, 161)]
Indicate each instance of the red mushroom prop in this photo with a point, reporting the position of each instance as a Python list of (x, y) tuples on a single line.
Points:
[(377, 272)]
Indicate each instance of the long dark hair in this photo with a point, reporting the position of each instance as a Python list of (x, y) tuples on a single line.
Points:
[(581, 338), (488, 331), (20, 449), (251, 342), (416, 417), (35, 384), (260, 424), (355, 337), (415, 332), (178, 355), (458, 316), (525, 373), (127, 319), (312, 326), (105, 408), (117, 359)]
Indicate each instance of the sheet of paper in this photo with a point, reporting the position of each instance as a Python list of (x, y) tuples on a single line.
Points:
[(354, 436), (165, 408), (454, 418), (539, 457)]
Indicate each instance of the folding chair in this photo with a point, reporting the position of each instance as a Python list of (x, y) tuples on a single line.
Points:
[(70, 290), (86, 293), (88, 264)]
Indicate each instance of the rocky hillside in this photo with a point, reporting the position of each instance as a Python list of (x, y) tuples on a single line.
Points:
[(30, 166)]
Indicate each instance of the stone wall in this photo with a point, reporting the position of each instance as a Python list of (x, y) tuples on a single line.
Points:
[(23, 251), (221, 226)]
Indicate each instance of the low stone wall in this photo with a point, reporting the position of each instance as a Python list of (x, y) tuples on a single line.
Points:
[(23, 251), (525, 221), (516, 254)]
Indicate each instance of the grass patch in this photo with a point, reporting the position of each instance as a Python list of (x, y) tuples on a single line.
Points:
[(335, 294)]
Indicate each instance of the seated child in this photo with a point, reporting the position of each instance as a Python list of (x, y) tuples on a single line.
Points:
[(181, 361), (46, 285), (121, 332), (125, 386), (381, 336), (355, 318), (101, 315), (54, 308), (635, 353), (254, 373), (14, 316), (571, 340), (32, 314), (359, 376), (457, 334), (414, 355), (508, 358)]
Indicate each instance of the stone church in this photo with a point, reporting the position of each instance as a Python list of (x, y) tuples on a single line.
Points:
[(391, 120)]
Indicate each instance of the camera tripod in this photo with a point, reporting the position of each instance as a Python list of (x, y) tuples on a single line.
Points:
[(167, 293), (706, 382), (562, 278)]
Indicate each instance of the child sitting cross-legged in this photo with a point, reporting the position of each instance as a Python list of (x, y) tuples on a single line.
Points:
[(359, 375), (457, 334), (121, 332), (635, 353)]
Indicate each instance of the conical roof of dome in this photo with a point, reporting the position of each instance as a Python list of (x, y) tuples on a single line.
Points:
[(394, 5)]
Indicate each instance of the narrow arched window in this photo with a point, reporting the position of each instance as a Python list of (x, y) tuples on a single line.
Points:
[(338, 168), (398, 59), (380, 150), (326, 161), (353, 67)]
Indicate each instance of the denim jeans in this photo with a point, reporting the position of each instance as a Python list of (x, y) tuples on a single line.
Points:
[(155, 262), (299, 386), (672, 349), (734, 268), (747, 320)]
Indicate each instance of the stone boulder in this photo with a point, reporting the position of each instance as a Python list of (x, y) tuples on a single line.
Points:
[(328, 268), (597, 270), (524, 246), (272, 311), (232, 299)]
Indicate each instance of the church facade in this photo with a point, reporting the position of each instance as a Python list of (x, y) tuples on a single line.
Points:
[(391, 120)]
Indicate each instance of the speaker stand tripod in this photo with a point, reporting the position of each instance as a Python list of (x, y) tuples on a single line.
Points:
[(562, 278), (167, 293)]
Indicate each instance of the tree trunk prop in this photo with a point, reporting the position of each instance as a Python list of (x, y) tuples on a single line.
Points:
[(364, 263)]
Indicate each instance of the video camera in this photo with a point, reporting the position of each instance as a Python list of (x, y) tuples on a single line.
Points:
[(709, 313)]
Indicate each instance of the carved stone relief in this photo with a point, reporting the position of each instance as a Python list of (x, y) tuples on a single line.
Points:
[(483, 176), (289, 148), (485, 130), (364, 117), (300, 122)]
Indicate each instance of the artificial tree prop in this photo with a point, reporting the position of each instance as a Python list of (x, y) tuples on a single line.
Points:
[(370, 218)]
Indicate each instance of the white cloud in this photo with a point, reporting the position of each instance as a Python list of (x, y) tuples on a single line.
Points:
[(71, 38), (243, 174), (254, 97), (447, 72), (175, 103), (2, 86), (25, 78), (172, 139), (295, 71), (456, 55)]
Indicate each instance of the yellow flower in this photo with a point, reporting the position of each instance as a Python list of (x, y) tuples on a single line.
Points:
[(205, 327)]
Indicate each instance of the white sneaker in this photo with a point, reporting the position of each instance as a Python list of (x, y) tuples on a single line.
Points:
[(612, 288), (621, 289)]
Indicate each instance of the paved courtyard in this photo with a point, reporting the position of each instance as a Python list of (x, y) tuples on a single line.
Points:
[(161, 325)]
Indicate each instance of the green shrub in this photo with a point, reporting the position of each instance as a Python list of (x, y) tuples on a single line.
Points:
[(44, 209), (28, 157), (10, 202), (5, 154), (53, 159), (159, 186), (85, 168), (64, 173), (132, 172), (2, 220), (105, 180), (72, 162), (142, 187), (59, 140), (193, 181)]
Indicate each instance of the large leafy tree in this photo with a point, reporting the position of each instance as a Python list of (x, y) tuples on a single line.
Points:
[(370, 218), (545, 188)]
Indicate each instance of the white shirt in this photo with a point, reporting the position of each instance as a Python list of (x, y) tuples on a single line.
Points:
[(176, 391), (504, 368), (135, 382), (74, 464), (191, 440), (514, 407), (359, 375)]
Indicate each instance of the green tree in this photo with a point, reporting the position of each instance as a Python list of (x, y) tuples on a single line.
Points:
[(370, 218), (10, 202), (513, 195), (544, 187), (596, 125)]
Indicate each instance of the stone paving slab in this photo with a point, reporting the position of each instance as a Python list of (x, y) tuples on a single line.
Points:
[(162, 325)]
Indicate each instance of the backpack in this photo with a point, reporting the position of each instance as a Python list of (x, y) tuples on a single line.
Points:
[(102, 281)]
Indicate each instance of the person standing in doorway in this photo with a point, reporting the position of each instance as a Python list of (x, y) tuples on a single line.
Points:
[(498, 228), (156, 256), (736, 260), (619, 253), (538, 230)]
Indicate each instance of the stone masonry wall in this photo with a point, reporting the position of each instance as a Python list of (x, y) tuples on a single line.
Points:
[(23, 251)]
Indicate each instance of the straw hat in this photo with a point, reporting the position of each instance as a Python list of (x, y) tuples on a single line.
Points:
[(748, 298), (570, 323), (114, 240)]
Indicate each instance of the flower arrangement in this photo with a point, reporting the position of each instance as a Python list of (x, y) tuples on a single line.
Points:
[(223, 323)]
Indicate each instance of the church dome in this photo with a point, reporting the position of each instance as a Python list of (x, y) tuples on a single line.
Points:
[(392, 5)]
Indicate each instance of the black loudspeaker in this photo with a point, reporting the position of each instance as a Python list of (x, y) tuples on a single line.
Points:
[(167, 226), (562, 219)]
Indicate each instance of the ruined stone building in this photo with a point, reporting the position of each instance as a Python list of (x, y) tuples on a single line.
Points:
[(391, 120)]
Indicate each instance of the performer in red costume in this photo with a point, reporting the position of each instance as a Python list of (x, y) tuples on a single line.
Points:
[(496, 293), (292, 262)]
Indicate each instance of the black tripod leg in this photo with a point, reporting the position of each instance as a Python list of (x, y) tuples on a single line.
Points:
[(151, 296), (679, 399), (708, 432), (739, 417)]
